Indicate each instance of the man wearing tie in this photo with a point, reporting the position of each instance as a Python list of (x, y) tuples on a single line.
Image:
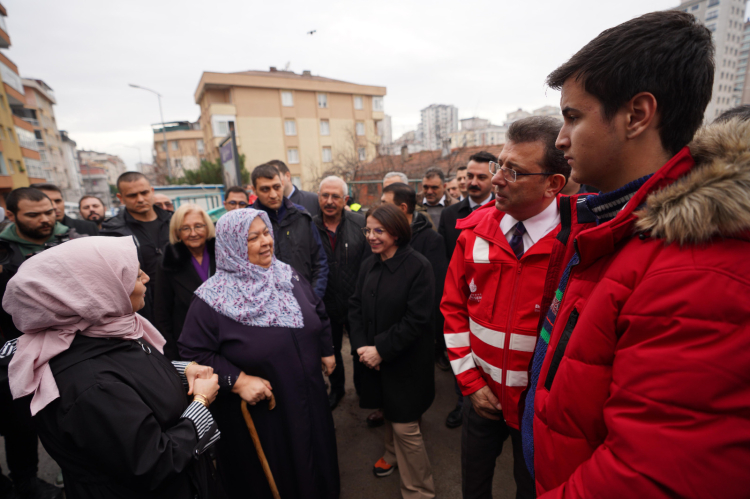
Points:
[(492, 298)]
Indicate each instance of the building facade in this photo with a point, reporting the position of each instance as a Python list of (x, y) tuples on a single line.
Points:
[(725, 19), (20, 162), (437, 123), (742, 85), (185, 144), (70, 158), (112, 165), (314, 124), (95, 183)]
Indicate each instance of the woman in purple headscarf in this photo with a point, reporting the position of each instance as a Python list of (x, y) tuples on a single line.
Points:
[(261, 327)]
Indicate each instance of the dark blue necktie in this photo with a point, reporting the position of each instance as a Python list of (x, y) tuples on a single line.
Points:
[(516, 242)]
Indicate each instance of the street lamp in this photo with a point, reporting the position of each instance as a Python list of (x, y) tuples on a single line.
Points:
[(163, 126)]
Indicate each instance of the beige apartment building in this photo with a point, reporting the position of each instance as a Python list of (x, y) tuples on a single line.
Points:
[(185, 145), (314, 124)]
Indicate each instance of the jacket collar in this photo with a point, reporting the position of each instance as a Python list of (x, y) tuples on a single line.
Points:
[(318, 219), (161, 215), (394, 262), (84, 348), (177, 256), (419, 223)]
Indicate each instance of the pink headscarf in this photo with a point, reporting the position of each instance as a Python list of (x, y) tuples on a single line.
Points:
[(82, 286)]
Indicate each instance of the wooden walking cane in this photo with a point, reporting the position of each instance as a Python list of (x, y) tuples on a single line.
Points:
[(258, 448)]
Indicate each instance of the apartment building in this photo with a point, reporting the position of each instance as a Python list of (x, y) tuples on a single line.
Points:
[(478, 132), (725, 19), (112, 165), (438, 122), (313, 123), (19, 158), (742, 85), (185, 147)]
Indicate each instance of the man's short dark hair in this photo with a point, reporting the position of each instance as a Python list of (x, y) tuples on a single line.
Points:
[(435, 171), (266, 170), (236, 188), (403, 194), (129, 177), (89, 196), (741, 112), (543, 129), (482, 157), (394, 221), (28, 193), (46, 187), (669, 54), (280, 165), (461, 168)]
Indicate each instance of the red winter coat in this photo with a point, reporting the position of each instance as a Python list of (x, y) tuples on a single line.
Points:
[(491, 304), (651, 393)]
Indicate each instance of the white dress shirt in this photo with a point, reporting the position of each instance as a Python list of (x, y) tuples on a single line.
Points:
[(537, 226), (472, 204), (439, 203)]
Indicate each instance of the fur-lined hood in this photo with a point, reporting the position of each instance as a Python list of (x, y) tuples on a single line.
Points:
[(714, 198)]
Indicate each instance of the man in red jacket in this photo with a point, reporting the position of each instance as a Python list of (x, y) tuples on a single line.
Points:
[(640, 382), (492, 298)]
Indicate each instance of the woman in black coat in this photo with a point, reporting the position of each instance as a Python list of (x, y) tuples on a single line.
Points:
[(189, 260), (107, 405), (390, 315)]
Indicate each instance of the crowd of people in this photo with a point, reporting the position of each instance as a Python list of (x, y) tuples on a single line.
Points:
[(585, 287)]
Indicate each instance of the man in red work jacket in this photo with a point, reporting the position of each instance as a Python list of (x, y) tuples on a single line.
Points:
[(492, 298)]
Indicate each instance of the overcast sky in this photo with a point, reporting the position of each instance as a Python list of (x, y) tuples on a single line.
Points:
[(485, 57)]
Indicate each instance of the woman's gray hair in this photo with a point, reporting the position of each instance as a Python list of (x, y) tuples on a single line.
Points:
[(402, 176)]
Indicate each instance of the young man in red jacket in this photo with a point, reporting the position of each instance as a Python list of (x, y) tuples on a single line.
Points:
[(640, 382), (492, 298)]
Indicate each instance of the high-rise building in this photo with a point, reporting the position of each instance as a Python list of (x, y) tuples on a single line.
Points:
[(20, 162), (725, 19), (438, 122), (312, 123), (742, 85), (185, 144)]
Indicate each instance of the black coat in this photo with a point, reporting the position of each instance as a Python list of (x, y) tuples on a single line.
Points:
[(448, 219), (297, 243), (392, 309), (81, 226), (431, 245), (149, 251), (307, 200), (343, 262), (116, 429), (176, 282)]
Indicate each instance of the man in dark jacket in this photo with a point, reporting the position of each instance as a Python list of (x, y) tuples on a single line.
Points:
[(345, 247), (148, 224), (479, 185), (305, 199), (296, 238), (33, 229), (91, 208), (55, 194)]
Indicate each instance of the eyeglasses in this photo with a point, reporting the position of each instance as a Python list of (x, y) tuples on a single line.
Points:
[(326, 195), (197, 228), (241, 204), (378, 231), (510, 175)]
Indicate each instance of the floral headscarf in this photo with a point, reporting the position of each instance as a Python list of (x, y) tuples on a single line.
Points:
[(247, 293)]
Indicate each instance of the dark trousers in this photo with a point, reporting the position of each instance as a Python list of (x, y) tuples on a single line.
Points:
[(481, 444), (20, 437), (337, 377)]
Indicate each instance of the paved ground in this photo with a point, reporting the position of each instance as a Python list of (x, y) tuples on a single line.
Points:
[(360, 447)]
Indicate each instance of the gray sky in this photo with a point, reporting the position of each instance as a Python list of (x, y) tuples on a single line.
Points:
[(485, 57)]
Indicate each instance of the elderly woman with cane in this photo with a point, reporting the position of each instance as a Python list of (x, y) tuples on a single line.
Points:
[(108, 406), (261, 327)]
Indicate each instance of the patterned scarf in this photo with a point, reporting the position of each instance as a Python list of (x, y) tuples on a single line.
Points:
[(247, 293)]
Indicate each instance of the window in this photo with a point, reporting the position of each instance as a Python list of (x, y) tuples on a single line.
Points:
[(178, 164), (358, 102), (11, 171), (711, 3), (175, 146), (19, 166), (377, 103), (10, 134), (323, 100), (201, 146), (287, 99), (712, 15), (163, 146), (327, 155), (362, 154), (360, 128), (3, 168), (325, 127), (292, 156), (290, 127), (695, 7)]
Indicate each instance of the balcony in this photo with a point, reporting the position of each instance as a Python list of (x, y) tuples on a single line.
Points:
[(4, 37)]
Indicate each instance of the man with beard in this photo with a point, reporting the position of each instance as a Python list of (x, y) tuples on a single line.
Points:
[(55, 194), (91, 208), (33, 229)]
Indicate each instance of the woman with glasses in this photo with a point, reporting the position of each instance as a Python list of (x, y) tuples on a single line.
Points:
[(390, 317), (188, 261)]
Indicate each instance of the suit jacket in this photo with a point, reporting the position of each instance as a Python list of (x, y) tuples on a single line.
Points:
[(308, 200), (448, 219)]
